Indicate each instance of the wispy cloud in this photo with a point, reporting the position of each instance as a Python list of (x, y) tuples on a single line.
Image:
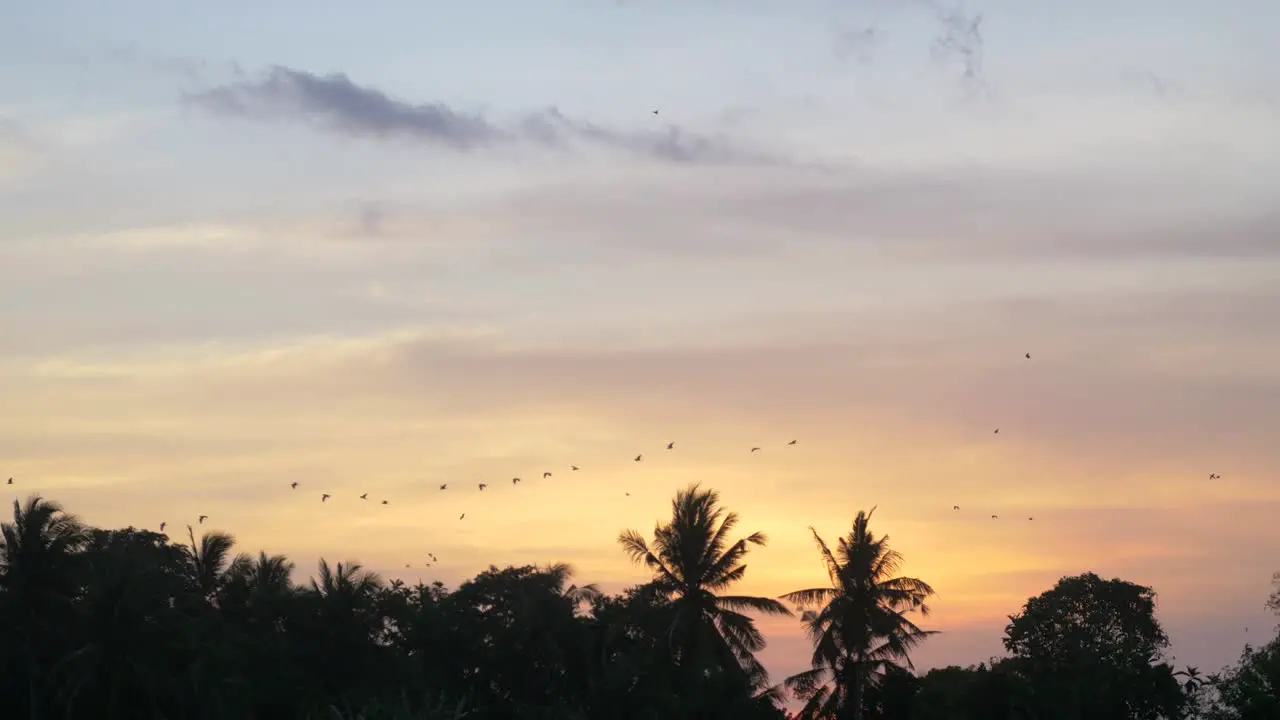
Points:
[(338, 104)]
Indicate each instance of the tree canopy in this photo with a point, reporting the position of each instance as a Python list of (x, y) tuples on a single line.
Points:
[(127, 623)]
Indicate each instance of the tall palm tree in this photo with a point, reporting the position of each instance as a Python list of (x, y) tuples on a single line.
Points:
[(208, 561), (37, 553), (261, 586), (559, 575), (858, 625), (692, 560), (347, 588), (38, 544)]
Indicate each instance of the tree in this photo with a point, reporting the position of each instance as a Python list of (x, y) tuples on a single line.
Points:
[(1094, 647), (38, 564), (1273, 602), (1249, 690), (692, 560), (860, 628)]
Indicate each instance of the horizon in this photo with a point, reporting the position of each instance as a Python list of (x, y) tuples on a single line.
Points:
[(377, 250)]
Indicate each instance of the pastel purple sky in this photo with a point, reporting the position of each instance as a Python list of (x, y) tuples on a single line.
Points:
[(378, 248)]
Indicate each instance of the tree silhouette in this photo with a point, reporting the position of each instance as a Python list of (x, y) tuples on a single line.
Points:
[(1095, 646), (859, 629), (117, 624), (692, 559)]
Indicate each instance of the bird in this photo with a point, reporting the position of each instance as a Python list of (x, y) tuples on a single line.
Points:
[(406, 564), (432, 556), (793, 442), (483, 486), (995, 517), (1031, 518), (384, 502), (655, 112), (573, 468), (202, 518), (628, 494), (755, 449), (444, 486), (10, 481), (515, 481), (546, 475), (671, 446), (162, 527), (1028, 356), (463, 515), (293, 485), (1214, 476), (364, 496), (955, 507), (324, 496), (638, 457), (997, 432)]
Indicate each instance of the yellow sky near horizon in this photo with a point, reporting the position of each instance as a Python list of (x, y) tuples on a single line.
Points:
[(901, 418)]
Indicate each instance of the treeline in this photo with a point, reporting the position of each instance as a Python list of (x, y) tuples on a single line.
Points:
[(115, 624)]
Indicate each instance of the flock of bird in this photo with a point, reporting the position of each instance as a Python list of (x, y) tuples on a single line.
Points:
[(324, 497)]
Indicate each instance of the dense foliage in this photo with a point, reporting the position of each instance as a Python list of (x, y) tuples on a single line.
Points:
[(116, 624)]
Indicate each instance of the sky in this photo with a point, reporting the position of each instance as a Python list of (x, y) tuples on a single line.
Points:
[(375, 248)]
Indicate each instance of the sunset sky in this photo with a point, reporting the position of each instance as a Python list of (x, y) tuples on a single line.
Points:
[(377, 247)]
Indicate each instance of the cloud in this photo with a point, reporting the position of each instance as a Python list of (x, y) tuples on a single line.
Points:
[(20, 152), (336, 103), (960, 36)]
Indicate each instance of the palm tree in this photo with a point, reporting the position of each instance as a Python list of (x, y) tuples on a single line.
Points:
[(858, 625), (347, 588), (207, 561), (559, 575), (37, 551), (261, 586), (692, 560), (37, 546)]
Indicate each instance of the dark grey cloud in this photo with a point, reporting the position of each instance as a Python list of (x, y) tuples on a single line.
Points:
[(336, 103)]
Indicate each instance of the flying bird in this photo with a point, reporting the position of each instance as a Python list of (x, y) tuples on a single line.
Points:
[(324, 497), (10, 481), (671, 446), (638, 457), (655, 112), (573, 468), (1028, 356), (463, 515), (202, 518), (162, 527), (293, 485), (755, 449), (444, 486), (997, 432), (955, 507), (515, 481), (546, 475), (1031, 518), (483, 486), (793, 442), (364, 496), (384, 502), (1214, 476), (995, 517)]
